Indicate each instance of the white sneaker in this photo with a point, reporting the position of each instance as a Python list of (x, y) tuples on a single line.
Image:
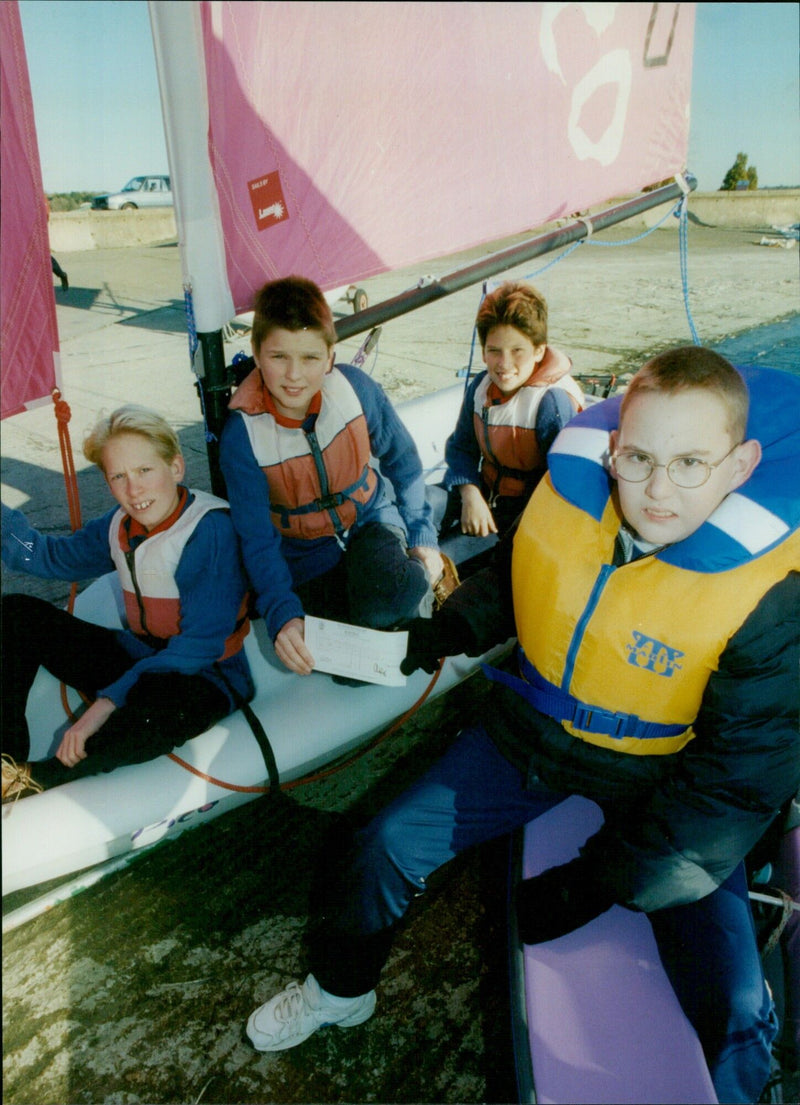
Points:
[(298, 1011)]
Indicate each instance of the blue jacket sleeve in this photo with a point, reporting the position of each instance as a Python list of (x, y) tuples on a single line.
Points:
[(248, 495), (211, 587), (394, 448), (84, 554), (461, 452), (552, 415)]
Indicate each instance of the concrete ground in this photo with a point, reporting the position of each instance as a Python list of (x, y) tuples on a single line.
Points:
[(136, 991)]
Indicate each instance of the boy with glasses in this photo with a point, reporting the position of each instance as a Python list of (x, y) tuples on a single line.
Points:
[(653, 583)]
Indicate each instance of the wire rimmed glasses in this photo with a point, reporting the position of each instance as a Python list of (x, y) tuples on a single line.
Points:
[(636, 467)]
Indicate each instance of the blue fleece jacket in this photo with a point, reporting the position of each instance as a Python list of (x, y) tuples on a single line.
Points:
[(210, 581)]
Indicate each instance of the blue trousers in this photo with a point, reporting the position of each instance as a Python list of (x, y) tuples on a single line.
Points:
[(375, 584), (474, 794)]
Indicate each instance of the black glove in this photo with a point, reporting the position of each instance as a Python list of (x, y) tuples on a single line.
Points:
[(559, 901), (431, 638)]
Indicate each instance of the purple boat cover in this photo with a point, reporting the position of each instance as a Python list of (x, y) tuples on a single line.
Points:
[(604, 1023)]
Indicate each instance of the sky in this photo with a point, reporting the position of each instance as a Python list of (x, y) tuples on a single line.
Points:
[(98, 114)]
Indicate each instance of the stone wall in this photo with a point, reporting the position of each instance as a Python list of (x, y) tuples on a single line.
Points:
[(758, 210), (72, 231), (82, 230)]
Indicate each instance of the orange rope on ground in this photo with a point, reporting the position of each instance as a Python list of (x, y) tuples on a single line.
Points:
[(317, 776)]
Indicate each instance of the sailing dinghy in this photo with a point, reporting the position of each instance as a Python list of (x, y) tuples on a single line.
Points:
[(392, 143), (309, 722)]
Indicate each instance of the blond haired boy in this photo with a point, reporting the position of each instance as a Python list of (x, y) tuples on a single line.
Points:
[(178, 666)]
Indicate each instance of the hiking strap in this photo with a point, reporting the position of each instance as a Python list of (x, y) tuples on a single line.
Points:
[(257, 729)]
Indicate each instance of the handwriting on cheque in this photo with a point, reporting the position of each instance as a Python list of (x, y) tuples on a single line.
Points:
[(366, 654)]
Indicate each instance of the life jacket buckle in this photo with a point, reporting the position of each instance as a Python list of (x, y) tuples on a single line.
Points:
[(329, 502), (594, 720)]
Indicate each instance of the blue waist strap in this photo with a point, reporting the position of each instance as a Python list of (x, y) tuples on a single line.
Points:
[(562, 706)]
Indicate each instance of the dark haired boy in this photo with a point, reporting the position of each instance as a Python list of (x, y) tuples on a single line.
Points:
[(323, 529)]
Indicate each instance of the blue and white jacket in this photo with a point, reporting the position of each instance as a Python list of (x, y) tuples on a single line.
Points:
[(208, 577)]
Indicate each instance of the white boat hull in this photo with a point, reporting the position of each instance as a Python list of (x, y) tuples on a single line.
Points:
[(310, 721)]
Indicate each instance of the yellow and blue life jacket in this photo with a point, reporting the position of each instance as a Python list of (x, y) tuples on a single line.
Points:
[(621, 655)]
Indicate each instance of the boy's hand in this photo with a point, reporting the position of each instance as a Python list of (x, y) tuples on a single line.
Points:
[(431, 560), (559, 901), (431, 638), (73, 744), (290, 647), (477, 519)]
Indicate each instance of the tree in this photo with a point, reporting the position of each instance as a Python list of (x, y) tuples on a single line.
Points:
[(739, 173)]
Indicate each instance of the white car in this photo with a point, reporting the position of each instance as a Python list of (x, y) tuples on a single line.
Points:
[(140, 191)]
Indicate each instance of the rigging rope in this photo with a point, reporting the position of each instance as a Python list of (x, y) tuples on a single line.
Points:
[(63, 415), (679, 211), (683, 234)]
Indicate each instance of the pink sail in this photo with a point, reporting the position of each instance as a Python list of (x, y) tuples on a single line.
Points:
[(345, 140), (29, 336)]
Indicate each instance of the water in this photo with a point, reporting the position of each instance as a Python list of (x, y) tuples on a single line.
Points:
[(775, 346)]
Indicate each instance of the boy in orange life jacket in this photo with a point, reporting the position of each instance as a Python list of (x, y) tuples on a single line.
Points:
[(653, 585), (320, 531), (179, 665), (510, 416)]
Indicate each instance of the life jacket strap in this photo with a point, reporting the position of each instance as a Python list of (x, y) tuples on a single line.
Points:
[(562, 706), (325, 502)]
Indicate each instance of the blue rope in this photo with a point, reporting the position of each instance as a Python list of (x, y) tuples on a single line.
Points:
[(191, 325), (679, 211), (639, 237), (683, 233)]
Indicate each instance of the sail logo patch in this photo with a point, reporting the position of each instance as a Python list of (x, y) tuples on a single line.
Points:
[(653, 655), (266, 196)]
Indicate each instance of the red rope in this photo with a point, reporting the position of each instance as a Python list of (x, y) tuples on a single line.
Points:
[(317, 776), (63, 415)]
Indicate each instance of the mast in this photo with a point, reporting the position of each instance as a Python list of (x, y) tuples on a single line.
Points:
[(507, 258)]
